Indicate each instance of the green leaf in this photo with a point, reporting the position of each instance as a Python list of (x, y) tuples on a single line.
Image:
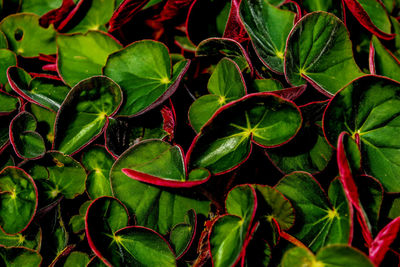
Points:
[(76, 258), (45, 120), (81, 56), (267, 85), (48, 93), (14, 257), (226, 84), (153, 207), (225, 141), (308, 151), (3, 41), (27, 143), (30, 238), (374, 120), (7, 59), (60, 172), (98, 162), (22, 31), (334, 255), (268, 28), (143, 70), (319, 50), (384, 62), (18, 199), (39, 7), (230, 232), (321, 221), (77, 222), (8, 103), (182, 234), (95, 15), (84, 113), (330, 6)]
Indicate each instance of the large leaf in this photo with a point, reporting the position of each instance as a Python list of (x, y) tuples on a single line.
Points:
[(143, 70), (22, 31), (229, 232), (84, 113), (226, 140), (268, 27), (19, 194), (225, 85), (320, 220), (156, 208), (27, 143), (334, 255), (374, 120), (372, 15), (48, 93), (81, 56), (319, 51), (157, 162), (98, 162)]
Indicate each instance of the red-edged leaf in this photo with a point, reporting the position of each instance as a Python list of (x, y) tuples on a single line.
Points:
[(383, 240), (350, 189), (234, 27), (124, 13), (56, 16), (363, 17), (172, 8), (169, 118)]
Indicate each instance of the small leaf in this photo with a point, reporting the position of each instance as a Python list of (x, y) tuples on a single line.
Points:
[(182, 234)]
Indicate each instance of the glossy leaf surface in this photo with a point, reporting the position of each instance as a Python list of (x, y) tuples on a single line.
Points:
[(319, 51), (143, 70), (374, 120), (383, 61), (84, 113), (225, 141)]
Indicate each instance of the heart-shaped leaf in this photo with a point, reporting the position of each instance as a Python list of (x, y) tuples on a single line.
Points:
[(143, 70), (374, 120), (57, 173), (19, 194), (22, 30), (130, 245), (382, 61), (92, 15), (98, 162), (372, 15), (81, 56), (308, 151), (8, 59), (319, 51), (182, 234), (157, 162), (27, 143), (154, 207), (321, 220), (268, 28), (19, 257), (47, 93), (226, 84), (226, 140), (84, 113), (334, 255), (229, 232)]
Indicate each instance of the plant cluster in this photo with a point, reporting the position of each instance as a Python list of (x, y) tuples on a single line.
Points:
[(199, 132)]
